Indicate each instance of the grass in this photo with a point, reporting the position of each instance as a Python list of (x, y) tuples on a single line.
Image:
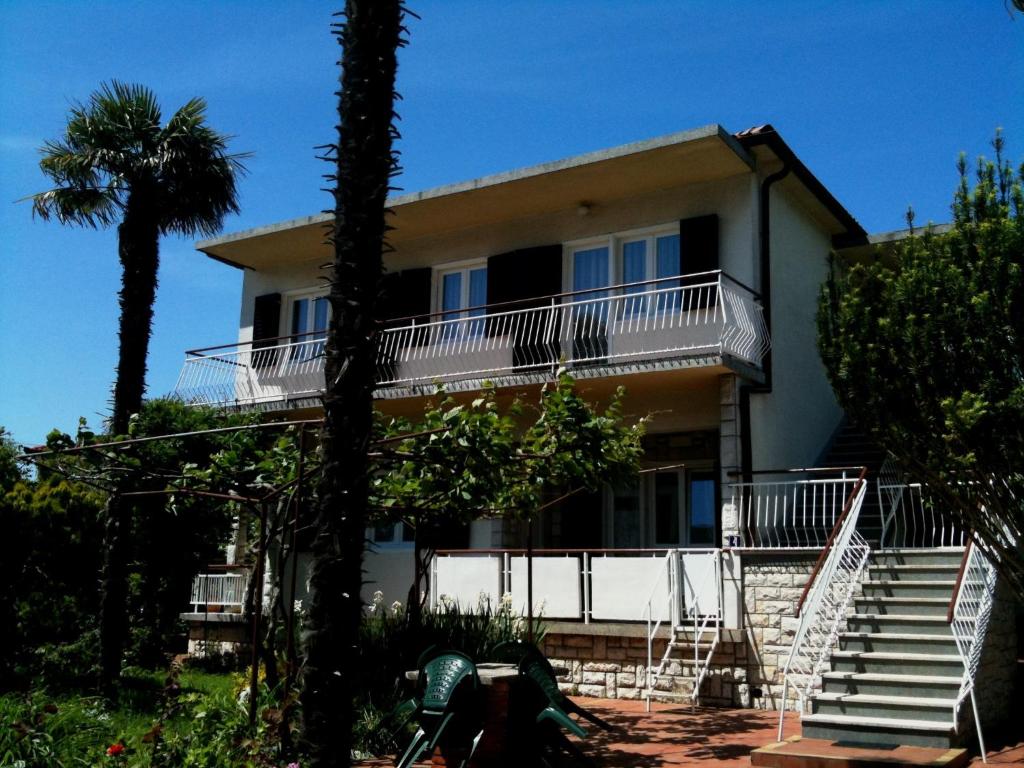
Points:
[(74, 730)]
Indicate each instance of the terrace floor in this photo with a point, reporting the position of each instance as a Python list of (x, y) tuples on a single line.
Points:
[(673, 735)]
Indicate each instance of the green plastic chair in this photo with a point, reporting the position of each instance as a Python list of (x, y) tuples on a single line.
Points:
[(448, 706), (535, 666)]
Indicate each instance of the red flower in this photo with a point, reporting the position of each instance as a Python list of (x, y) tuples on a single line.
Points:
[(115, 749)]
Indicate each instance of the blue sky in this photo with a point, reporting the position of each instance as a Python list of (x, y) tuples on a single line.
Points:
[(877, 98)]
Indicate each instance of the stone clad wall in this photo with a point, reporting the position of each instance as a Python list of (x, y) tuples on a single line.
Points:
[(611, 660), (997, 670), (772, 585)]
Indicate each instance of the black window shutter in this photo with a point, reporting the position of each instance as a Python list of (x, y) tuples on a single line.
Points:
[(525, 277), (266, 324), (388, 306), (525, 274), (698, 244), (414, 292)]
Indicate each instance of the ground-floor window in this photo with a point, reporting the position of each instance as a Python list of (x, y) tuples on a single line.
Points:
[(669, 508)]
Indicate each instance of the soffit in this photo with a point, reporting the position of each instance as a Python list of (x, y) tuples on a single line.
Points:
[(597, 179)]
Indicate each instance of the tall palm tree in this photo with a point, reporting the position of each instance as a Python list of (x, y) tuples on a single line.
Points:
[(116, 163), (364, 163)]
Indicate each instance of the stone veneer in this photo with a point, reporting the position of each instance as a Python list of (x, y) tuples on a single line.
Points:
[(611, 660)]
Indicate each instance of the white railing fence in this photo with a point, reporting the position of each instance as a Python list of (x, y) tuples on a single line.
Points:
[(969, 617), (583, 585), (684, 318), (910, 518), (665, 585), (790, 514), (223, 590), (251, 374), (826, 603), (706, 314)]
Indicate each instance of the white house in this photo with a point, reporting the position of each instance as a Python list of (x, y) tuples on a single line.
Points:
[(686, 268)]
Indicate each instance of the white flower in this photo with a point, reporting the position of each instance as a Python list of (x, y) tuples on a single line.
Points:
[(297, 606), (396, 607), (378, 597), (539, 608)]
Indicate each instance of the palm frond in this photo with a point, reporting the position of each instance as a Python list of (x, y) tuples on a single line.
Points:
[(84, 206), (114, 149)]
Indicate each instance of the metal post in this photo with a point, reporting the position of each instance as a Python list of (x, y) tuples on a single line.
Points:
[(529, 578), (257, 613), (290, 608)]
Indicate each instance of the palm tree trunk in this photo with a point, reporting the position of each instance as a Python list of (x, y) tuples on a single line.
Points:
[(138, 250), (363, 154)]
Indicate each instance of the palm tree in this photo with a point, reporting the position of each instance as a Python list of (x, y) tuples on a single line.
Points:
[(364, 163), (117, 163)]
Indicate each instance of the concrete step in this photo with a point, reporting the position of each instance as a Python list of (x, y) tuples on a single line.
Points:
[(873, 705), (855, 729), (918, 588), (896, 642), (897, 622), (800, 752), (913, 572), (904, 606), (883, 684), (947, 556), (943, 664)]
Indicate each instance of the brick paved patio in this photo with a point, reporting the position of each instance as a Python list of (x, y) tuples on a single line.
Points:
[(672, 735)]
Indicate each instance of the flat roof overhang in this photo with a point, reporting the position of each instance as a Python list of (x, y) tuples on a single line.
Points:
[(596, 178)]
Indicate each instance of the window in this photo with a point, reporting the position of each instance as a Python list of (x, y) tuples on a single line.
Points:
[(625, 259), (308, 314), (462, 288), (664, 508), (391, 534)]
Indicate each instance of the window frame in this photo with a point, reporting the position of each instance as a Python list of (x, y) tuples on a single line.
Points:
[(464, 268), (615, 242)]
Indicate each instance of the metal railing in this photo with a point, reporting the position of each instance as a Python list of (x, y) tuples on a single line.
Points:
[(969, 612), (791, 514), (909, 516), (826, 600), (220, 590), (702, 615), (667, 322)]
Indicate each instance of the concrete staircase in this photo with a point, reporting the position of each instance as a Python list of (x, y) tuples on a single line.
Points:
[(896, 675)]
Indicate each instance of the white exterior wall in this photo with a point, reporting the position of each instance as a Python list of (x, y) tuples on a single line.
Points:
[(732, 199), (791, 426)]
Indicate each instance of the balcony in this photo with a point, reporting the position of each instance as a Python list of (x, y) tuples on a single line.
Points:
[(707, 319)]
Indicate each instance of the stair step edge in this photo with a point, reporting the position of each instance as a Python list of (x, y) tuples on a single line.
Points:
[(894, 656), (877, 677), (919, 702), (910, 637), (879, 722)]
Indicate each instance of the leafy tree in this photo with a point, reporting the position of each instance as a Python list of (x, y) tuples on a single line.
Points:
[(464, 462), (10, 472), (117, 163), (928, 355), (369, 37), (50, 556)]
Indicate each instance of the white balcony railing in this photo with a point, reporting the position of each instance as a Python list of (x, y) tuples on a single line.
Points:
[(219, 591), (910, 516), (589, 586), (670, 322), (791, 513)]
